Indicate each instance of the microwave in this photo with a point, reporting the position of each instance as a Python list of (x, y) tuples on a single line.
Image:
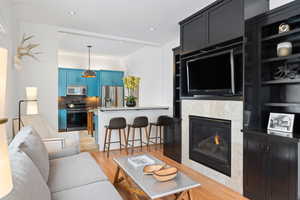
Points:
[(77, 90)]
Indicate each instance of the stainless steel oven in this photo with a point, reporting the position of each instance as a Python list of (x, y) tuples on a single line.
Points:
[(76, 119)]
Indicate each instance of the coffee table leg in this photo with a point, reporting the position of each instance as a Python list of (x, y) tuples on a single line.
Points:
[(189, 195), (116, 179), (181, 195)]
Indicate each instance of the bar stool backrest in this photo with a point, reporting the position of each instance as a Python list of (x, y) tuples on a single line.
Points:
[(117, 123), (161, 121), (166, 121), (140, 122)]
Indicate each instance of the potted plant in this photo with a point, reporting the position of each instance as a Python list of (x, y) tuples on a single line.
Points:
[(131, 83)]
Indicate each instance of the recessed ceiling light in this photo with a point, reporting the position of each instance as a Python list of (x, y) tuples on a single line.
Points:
[(152, 29), (72, 13)]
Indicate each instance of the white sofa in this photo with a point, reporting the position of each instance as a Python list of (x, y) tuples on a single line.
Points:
[(36, 177), (69, 143)]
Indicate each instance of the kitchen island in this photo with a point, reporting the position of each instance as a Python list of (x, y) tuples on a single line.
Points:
[(129, 113)]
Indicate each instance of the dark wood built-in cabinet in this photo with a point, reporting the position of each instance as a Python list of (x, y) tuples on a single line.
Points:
[(176, 82), (271, 160), (194, 34), (270, 166), (218, 23), (224, 24), (172, 139), (172, 131)]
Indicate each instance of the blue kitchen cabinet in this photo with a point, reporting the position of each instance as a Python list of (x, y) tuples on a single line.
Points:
[(74, 78), (117, 78), (110, 78), (93, 86), (105, 78), (62, 82), (62, 119)]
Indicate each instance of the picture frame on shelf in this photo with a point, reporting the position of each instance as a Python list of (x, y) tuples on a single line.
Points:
[(281, 122)]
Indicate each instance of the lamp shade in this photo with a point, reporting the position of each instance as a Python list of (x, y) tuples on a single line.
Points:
[(32, 104), (6, 184)]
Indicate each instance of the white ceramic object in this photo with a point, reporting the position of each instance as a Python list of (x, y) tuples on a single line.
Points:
[(284, 49)]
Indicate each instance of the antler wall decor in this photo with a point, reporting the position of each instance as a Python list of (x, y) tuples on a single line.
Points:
[(26, 49)]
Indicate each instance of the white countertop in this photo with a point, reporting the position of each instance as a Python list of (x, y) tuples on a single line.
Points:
[(102, 109)]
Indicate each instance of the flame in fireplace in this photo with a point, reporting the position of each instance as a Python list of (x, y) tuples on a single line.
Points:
[(217, 139)]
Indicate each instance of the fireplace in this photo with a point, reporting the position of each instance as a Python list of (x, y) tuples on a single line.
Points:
[(210, 143)]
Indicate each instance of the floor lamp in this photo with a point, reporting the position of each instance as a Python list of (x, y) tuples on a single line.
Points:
[(31, 100)]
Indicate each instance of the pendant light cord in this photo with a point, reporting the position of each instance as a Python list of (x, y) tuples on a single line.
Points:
[(89, 56)]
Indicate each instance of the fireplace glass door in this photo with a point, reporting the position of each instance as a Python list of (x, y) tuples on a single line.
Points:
[(210, 143)]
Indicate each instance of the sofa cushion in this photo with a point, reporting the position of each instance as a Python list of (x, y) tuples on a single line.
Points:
[(74, 171), (31, 143), (95, 191), (28, 183)]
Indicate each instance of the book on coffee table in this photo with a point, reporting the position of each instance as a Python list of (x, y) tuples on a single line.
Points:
[(141, 160)]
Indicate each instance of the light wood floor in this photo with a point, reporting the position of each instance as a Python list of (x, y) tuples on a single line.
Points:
[(210, 190)]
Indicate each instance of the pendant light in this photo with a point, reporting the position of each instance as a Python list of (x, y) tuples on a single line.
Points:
[(89, 73)]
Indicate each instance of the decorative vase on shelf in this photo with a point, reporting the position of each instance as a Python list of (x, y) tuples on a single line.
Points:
[(131, 83), (131, 102), (284, 49)]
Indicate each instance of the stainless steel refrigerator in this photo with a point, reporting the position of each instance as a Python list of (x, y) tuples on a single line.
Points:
[(112, 96)]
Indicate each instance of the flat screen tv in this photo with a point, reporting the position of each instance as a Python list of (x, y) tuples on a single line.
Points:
[(211, 75)]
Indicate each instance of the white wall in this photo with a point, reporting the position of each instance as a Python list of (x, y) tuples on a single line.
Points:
[(71, 60), (7, 41), (155, 67), (277, 3), (146, 63), (43, 73)]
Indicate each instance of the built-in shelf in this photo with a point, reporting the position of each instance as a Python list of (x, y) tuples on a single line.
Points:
[(282, 81), (282, 104), (272, 37), (281, 58)]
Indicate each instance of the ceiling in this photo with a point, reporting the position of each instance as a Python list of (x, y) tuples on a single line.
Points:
[(153, 21), (77, 45)]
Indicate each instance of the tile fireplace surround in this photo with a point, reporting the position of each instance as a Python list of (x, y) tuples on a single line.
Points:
[(228, 110)]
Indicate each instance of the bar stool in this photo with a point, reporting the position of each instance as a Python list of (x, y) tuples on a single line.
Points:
[(161, 122), (118, 123), (138, 122)]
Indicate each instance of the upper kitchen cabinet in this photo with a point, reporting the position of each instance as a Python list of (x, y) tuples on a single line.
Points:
[(111, 78), (220, 22), (93, 86), (117, 78), (74, 78), (62, 82)]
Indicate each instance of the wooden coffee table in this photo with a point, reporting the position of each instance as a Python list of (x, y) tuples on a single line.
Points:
[(140, 184)]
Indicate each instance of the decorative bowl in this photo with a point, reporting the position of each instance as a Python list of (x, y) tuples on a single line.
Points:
[(165, 174), (150, 169)]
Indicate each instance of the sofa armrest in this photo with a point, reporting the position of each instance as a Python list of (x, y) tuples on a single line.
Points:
[(64, 153), (54, 144)]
